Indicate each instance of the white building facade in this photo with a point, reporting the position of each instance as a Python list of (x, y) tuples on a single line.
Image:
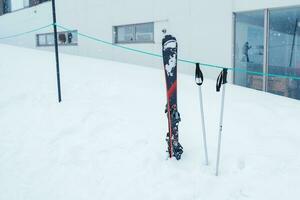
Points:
[(254, 35)]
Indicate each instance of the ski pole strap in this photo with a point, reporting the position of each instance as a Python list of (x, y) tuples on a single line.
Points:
[(222, 79), (198, 75)]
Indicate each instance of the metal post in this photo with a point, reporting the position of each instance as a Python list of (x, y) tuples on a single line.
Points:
[(203, 126), (265, 78), (56, 51), (233, 49), (220, 130), (293, 44)]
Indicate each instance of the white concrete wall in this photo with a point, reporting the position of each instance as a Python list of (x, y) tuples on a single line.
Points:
[(203, 27), (203, 30), (24, 20)]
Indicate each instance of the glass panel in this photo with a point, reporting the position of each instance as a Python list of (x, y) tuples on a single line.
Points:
[(42, 40), (72, 37), (75, 37), (33, 2), (1, 7), (125, 34), (17, 4), (7, 6), (144, 32), (249, 48), (50, 39), (26, 3), (284, 51), (62, 38)]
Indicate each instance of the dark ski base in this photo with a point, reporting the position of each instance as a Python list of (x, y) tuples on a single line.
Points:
[(169, 45)]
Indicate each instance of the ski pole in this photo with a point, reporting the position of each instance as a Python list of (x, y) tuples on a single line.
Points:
[(199, 82), (222, 80)]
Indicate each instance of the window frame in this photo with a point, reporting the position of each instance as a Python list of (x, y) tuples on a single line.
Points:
[(59, 44), (115, 34), (266, 36), (24, 7)]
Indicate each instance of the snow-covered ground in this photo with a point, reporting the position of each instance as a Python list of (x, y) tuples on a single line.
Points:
[(106, 140)]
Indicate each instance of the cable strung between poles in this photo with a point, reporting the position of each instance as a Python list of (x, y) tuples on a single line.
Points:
[(236, 69), (25, 33), (239, 70)]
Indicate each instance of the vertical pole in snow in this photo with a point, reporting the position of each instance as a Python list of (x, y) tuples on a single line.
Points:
[(199, 82), (56, 51), (293, 44), (222, 80)]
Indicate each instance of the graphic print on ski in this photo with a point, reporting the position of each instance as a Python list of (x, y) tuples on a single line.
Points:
[(169, 51)]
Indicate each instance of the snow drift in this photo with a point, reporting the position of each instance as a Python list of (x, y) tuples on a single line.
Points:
[(106, 140)]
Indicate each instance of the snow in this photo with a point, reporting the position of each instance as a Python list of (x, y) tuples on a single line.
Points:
[(106, 139)]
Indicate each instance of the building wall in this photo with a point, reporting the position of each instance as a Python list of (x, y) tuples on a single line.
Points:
[(245, 5), (203, 28)]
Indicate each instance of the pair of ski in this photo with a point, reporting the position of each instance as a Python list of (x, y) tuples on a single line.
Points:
[(169, 50)]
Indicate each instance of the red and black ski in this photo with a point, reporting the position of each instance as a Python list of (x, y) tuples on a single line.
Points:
[(169, 50)]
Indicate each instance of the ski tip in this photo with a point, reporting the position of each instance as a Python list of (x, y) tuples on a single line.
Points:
[(168, 38)]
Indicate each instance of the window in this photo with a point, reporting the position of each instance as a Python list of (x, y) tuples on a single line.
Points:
[(249, 45), (284, 56), (135, 33), (7, 6), (65, 38), (35, 2), (268, 41)]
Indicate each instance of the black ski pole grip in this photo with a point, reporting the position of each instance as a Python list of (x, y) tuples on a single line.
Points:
[(222, 79), (198, 75), (225, 72), (219, 82)]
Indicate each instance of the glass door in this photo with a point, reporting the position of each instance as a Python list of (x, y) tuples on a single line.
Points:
[(249, 49), (284, 51)]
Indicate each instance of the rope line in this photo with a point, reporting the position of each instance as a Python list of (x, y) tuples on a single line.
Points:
[(236, 69), (25, 33)]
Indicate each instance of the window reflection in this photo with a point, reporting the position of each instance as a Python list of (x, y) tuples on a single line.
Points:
[(249, 32), (284, 51), (65, 38), (134, 33)]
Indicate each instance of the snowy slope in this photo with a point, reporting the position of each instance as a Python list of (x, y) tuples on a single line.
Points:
[(106, 139)]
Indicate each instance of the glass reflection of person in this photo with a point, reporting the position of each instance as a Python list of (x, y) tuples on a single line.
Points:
[(70, 37), (246, 49), (62, 38)]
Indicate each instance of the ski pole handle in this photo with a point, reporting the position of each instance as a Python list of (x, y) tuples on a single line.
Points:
[(198, 75), (222, 79)]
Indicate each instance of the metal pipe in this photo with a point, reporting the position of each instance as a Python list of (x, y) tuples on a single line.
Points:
[(203, 126), (220, 130), (56, 51), (266, 50)]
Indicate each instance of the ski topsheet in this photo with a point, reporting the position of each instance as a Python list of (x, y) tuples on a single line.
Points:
[(169, 50)]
